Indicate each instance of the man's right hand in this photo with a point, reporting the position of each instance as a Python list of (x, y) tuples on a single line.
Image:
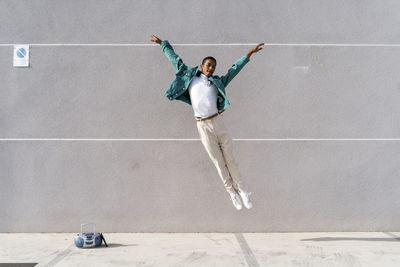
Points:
[(155, 39)]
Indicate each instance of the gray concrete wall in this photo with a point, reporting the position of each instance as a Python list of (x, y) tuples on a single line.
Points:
[(315, 127)]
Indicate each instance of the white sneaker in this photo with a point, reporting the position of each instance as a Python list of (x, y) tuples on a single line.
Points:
[(245, 198), (236, 200)]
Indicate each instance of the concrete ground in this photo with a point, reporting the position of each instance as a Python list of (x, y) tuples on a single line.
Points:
[(205, 249)]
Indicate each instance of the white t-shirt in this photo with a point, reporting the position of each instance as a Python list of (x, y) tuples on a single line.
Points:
[(203, 95)]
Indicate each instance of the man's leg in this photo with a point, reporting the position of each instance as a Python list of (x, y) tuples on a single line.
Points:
[(233, 168), (210, 142), (226, 146), (225, 141)]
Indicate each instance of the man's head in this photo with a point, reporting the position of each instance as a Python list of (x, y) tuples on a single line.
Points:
[(208, 66)]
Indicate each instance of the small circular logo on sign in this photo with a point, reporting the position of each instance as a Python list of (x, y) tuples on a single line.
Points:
[(21, 53)]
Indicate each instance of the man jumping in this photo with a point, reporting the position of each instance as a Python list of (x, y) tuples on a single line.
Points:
[(205, 92)]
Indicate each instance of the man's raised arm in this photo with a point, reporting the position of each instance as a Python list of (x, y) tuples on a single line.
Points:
[(169, 52), (227, 78), (254, 50)]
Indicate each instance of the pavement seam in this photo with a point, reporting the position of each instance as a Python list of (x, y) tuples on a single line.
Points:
[(57, 258), (247, 252), (392, 235)]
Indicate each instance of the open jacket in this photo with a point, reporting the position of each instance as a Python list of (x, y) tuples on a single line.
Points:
[(178, 89)]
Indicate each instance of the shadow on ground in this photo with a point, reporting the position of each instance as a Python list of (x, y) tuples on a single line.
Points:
[(115, 245), (353, 239)]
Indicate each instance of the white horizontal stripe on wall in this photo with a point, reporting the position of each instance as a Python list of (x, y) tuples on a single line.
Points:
[(193, 139), (220, 44)]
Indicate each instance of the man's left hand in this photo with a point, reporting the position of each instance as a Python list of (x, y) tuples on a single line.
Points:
[(255, 49)]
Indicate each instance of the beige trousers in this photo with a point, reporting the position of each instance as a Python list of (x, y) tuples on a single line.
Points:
[(216, 140)]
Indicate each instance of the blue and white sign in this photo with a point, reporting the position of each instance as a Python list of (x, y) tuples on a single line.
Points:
[(21, 55)]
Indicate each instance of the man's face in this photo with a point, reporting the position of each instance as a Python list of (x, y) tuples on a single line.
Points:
[(208, 67)]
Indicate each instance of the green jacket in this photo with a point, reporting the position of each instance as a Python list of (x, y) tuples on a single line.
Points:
[(179, 87)]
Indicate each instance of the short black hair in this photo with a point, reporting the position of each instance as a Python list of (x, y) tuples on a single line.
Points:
[(209, 57)]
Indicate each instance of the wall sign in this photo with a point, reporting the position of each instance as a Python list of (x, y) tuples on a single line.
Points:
[(21, 55)]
